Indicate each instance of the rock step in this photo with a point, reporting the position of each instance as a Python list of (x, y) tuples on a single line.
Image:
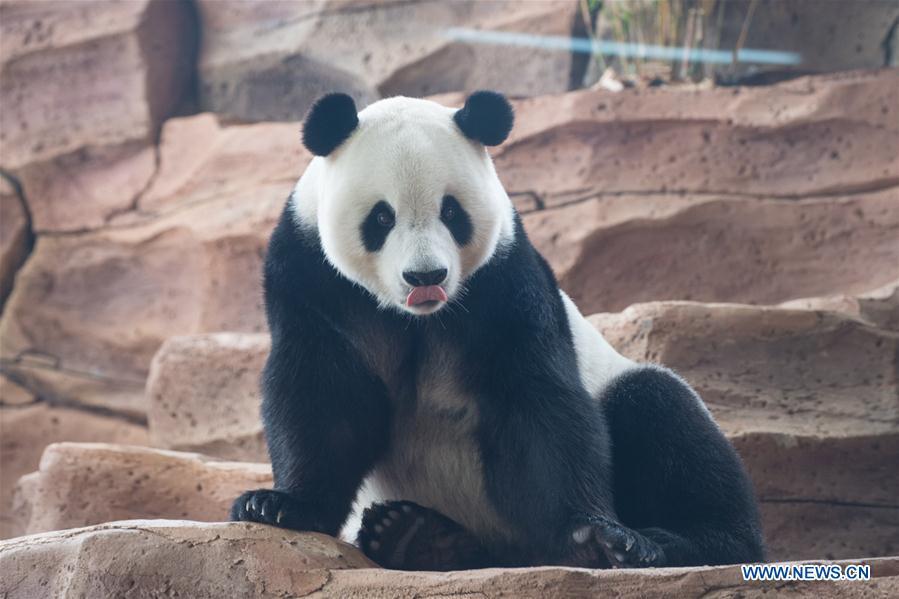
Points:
[(769, 369), (79, 484), (26, 429), (609, 253), (843, 511), (177, 558)]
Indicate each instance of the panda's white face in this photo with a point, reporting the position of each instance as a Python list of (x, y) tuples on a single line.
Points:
[(407, 207)]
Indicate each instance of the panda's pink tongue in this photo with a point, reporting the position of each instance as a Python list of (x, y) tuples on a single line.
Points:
[(430, 293)]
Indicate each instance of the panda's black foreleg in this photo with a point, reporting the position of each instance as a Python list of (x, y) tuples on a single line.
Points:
[(402, 535), (681, 491), (326, 420)]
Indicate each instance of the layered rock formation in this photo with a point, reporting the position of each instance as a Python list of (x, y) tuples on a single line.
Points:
[(131, 245), (85, 87), (203, 394), (271, 64), (89, 483), (177, 558), (25, 430)]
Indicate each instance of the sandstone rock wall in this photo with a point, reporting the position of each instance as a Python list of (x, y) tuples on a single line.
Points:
[(148, 148)]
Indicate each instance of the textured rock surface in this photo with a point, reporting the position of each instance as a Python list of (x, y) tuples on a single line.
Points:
[(79, 484), (149, 558), (722, 249), (26, 430), (829, 36), (13, 394), (91, 309), (172, 558), (811, 136), (770, 369), (879, 306), (825, 496), (203, 395), (15, 236), (271, 64), (85, 86)]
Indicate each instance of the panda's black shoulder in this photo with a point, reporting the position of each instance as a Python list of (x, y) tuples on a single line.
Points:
[(298, 279), (518, 291)]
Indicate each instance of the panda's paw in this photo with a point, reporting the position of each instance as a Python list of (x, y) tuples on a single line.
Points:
[(623, 546), (276, 508), (402, 535)]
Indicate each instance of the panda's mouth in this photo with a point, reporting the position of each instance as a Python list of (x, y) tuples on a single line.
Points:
[(426, 296)]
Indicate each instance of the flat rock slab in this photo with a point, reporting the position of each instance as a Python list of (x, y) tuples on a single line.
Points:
[(770, 369), (179, 558), (719, 249), (152, 558), (25, 430), (79, 484), (203, 395), (812, 136)]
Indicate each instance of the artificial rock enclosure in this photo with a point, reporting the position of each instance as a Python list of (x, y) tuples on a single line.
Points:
[(748, 237)]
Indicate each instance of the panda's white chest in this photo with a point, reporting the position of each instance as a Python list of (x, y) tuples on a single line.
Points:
[(434, 459)]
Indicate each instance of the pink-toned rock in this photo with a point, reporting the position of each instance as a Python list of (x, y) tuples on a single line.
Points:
[(78, 484), (825, 496), (152, 558), (203, 395), (271, 62), (13, 394), (879, 306), (26, 430), (87, 188), (770, 369), (15, 236), (85, 86), (812, 136), (721, 249), (89, 310)]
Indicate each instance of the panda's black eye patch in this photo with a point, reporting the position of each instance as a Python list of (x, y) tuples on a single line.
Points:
[(456, 219), (377, 226)]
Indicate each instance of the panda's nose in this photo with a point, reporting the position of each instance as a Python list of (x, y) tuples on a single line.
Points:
[(423, 279)]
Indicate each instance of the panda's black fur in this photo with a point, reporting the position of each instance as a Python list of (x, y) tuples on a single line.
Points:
[(644, 470)]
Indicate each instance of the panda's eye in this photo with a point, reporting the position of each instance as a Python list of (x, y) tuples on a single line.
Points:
[(456, 220), (385, 218)]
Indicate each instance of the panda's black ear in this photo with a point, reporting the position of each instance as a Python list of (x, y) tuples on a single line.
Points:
[(486, 117), (329, 122)]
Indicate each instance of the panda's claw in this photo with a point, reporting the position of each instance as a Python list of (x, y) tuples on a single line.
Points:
[(625, 547), (276, 508)]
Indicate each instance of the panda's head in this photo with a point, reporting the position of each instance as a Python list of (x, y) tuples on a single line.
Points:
[(404, 195)]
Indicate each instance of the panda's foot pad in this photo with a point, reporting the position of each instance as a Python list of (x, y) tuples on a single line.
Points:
[(623, 547), (402, 535)]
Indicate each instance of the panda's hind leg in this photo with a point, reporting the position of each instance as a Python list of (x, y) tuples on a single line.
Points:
[(402, 535), (678, 481)]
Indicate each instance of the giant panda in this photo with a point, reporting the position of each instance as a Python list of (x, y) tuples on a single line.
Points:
[(426, 366)]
